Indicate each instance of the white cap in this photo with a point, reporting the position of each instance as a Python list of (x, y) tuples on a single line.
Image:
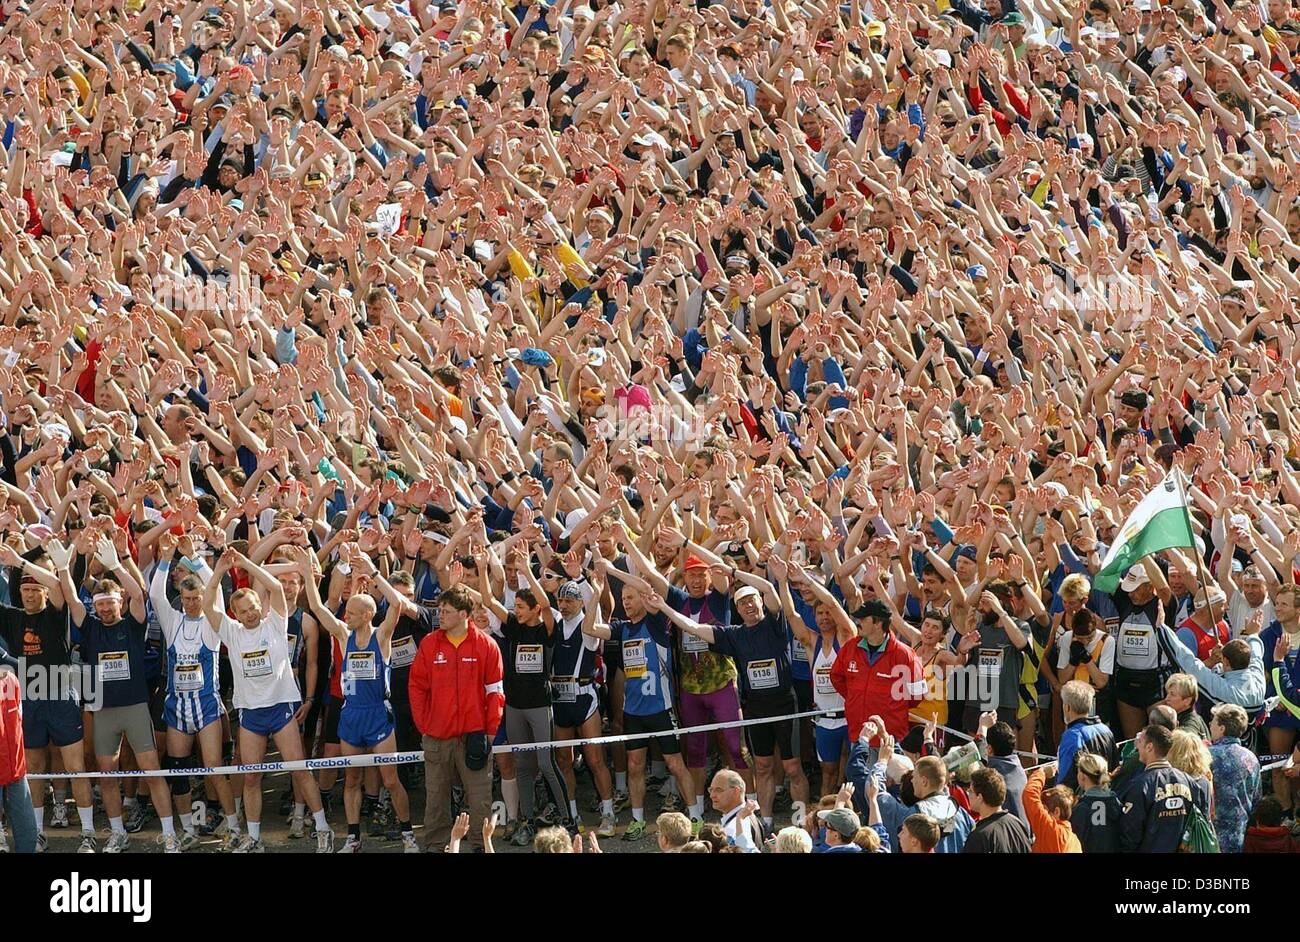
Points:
[(1137, 575), (574, 518)]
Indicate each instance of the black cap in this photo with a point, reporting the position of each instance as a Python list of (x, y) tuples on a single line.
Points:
[(1134, 398), (914, 741), (874, 608)]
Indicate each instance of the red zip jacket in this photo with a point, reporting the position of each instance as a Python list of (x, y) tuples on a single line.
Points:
[(13, 758), (457, 690), (889, 688)]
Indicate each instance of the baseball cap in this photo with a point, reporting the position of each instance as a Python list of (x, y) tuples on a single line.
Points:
[(913, 741), (694, 562), (1136, 576), (745, 592), (842, 821), (1215, 597), (1134, 398), (1014, 18)]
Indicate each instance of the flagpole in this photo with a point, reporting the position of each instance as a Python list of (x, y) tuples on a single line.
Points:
[(1200, 563)]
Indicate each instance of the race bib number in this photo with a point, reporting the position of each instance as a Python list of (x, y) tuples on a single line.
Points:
[(799, 652), (823, 681), (293, 648), (564, 689), (115, 666), (528, 659), (1136, 642), (694, 645), (762, 674), (403, 653), (990, 663), (256, 663), (189, 677), (361, 665), (634, 661)]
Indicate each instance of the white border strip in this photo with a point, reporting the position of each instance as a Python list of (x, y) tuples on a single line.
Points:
[(407, 758)]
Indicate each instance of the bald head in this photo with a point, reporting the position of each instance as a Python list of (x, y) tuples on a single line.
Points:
[(727, 791)]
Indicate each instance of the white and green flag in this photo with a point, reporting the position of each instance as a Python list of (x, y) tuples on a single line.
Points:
[(1159, 522)]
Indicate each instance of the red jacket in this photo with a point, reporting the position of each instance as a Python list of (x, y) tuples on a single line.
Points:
[(457, 690), (889, 688), (1270, 840), (13, 758)]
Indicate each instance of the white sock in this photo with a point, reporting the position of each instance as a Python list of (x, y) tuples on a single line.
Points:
[(638, 814), (255, 830), (87, 816), (607, 807), (573, 809), (299, 811), (319, 818), (187, 822), (658, 769), (232, 823), (620, 781), (510, 795), (40, 819), (169, 828), (115, 825), (697, 807)]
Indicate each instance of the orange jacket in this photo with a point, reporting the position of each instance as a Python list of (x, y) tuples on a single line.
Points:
[(1050, 835)]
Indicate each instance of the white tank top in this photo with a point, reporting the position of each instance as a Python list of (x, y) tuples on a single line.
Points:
[(824, 694), (260, 661)]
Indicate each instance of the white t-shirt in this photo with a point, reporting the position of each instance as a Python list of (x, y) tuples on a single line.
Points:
[(260, 661), (1240, 612), (1105, 660)]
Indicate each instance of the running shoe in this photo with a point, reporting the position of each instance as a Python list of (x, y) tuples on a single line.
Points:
[(635, 831), (88, 843), (672, 802), (118, 841), (550, 816), (188, 841), (246, 845), (42, 843), (136, 818), (380, 820), (621, 800), (608, 825), (508, 832), (524, 836), (59, 819), (409, 846), (325, 842), (169, 842), (229, 842), (296, 831), (351, 846)]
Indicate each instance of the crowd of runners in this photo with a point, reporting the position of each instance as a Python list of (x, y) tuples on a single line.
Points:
[(903, 392)]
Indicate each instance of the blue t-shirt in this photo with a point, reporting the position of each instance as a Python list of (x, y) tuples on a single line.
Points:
[(117, 652), (762, 656), (647, 663)]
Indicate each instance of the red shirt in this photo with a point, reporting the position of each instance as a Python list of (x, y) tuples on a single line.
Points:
[(1207, 641), (13, 758), (889, 688), (454, 689)]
